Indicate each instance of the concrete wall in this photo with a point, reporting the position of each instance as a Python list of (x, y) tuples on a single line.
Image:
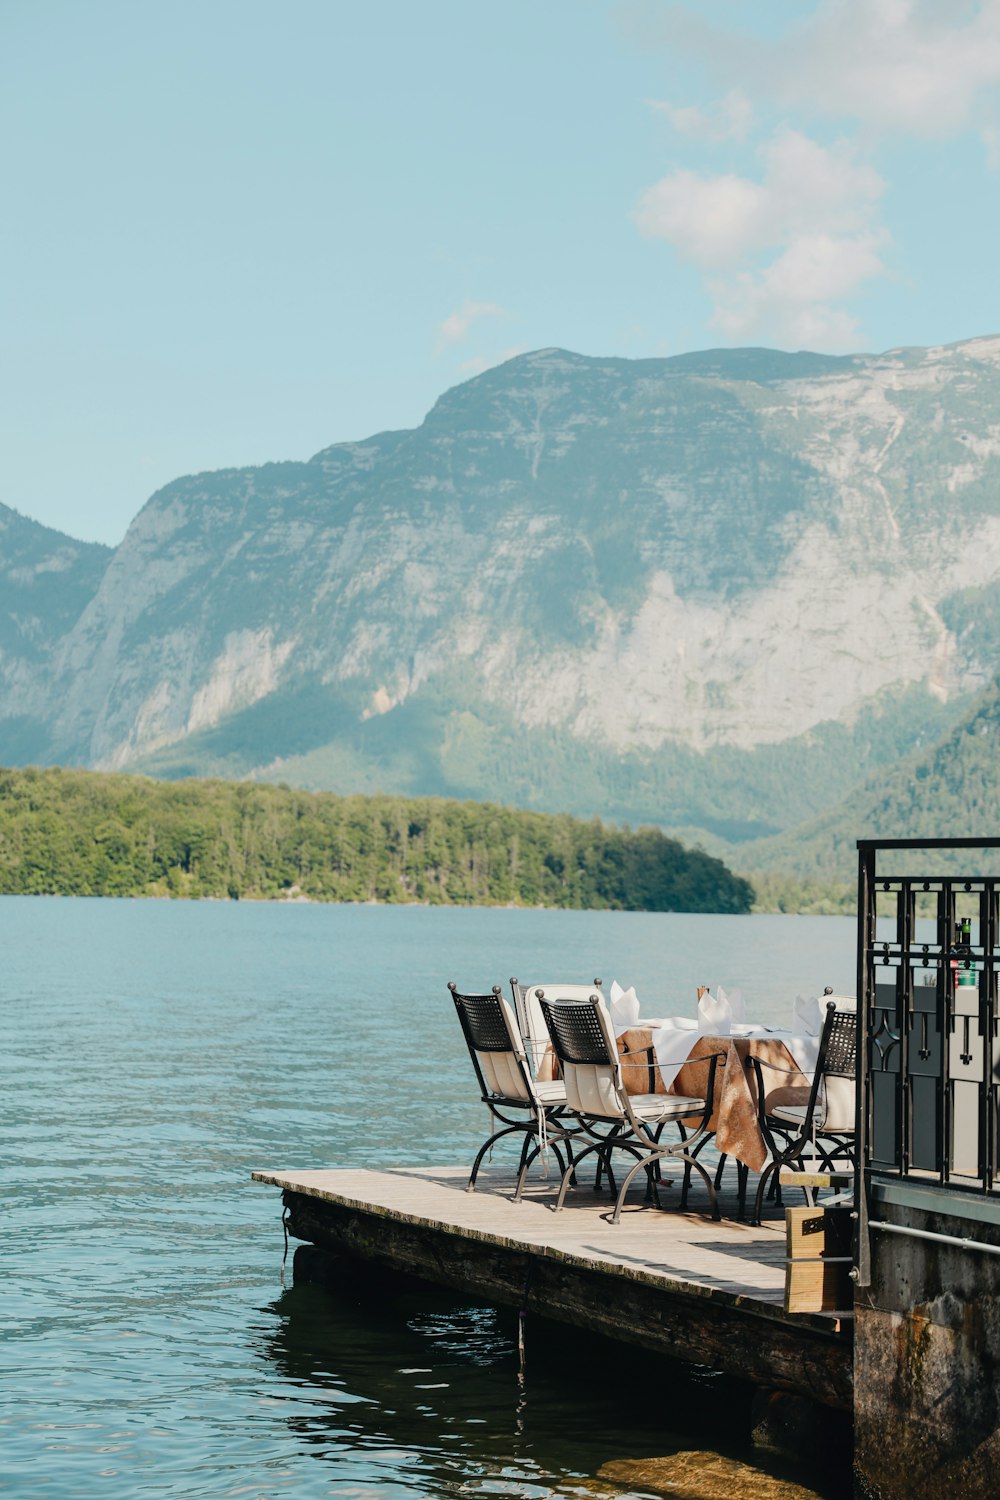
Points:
[(927, 1354)]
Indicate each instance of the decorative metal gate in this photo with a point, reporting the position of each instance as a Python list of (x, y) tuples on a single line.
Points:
[(928, 1051)]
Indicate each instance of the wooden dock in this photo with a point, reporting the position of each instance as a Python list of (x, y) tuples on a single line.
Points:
[(710, 1294)]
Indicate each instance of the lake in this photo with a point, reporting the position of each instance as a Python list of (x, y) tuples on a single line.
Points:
[(155, 1052)]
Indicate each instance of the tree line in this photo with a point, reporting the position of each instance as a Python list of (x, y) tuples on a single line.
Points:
[(91, 833)]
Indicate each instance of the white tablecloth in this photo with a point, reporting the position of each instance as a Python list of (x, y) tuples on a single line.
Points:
[(674, 1037)]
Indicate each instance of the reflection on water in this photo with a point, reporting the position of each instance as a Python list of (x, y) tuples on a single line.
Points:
[(154, 1053), (398, 1382)]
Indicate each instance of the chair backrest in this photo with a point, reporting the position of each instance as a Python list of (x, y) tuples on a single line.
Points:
[(534, 1032), (836, 1066), (494, 1045), (585, 1045)]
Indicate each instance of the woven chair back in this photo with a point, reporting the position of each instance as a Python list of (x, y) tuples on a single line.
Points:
[(588, 1060), (494, 1045), (837, 1093)]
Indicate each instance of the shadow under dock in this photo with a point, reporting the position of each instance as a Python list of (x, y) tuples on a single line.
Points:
[(708, 1293)]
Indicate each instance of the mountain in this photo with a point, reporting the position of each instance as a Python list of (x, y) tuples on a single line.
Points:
[(950, 791), (716, 591), (46, 581)]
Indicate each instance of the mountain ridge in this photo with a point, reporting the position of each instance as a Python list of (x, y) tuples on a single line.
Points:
[(644, 585)]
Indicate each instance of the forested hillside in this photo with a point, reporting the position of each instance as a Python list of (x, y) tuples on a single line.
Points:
[(949, 791), (83, 833), (713, 592)]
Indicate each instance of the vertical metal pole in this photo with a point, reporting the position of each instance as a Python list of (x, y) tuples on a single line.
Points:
[(861, 1272), (987, 1025), (907, 1009), (946, 906), (904, 1011)]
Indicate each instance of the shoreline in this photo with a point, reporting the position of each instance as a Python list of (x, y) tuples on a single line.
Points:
[(304, 900)]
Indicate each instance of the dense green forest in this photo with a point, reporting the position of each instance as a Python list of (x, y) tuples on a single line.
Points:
[(951, 790), (89, 833)]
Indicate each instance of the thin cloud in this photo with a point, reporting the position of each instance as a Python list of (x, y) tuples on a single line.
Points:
[(797, 300), (781, 252), (455, 328), (924, 68), (730, 119), (786, 249)]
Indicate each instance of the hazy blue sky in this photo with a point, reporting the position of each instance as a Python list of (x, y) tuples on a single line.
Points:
[(238, 231)]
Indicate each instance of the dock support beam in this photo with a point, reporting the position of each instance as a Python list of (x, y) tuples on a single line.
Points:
[(686, 1322)]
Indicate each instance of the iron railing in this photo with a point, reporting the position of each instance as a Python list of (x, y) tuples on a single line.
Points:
[(928, 1052)]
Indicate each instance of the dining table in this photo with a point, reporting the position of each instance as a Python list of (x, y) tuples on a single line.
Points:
[(787, 1061)]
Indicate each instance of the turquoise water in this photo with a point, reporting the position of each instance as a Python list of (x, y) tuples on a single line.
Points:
[(155, 1052)]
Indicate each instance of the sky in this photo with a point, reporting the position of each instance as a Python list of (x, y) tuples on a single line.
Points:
[(236, 231)]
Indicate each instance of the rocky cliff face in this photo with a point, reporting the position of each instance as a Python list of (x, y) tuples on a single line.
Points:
[(585, 582), (46, 580)]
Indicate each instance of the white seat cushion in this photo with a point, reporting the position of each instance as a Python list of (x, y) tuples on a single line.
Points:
[(795, 1114), (551, 1093), (835, 1105), (504, 1076), (590, 1090), (651, 1107)]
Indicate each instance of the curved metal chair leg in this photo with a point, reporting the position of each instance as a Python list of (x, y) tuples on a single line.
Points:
[(650, 1163), (569, 1172), (604, 1166), (487, 1144), (685, 1185), (758, 1202), (604, 1169), (632, 1172), (525, 1164), (522, 1175), (713, 1197), (774, 1191), (621, 1145), (698, 1148)]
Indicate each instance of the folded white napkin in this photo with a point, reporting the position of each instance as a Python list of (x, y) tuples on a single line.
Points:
[(623, 1007), (715, 1014), (805, 1051), (672, 1042), (807, 1015), (735, 998)]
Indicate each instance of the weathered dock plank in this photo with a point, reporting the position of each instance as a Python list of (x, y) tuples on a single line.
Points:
[(711, 1294)]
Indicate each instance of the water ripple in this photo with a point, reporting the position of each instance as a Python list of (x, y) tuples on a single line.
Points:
[(154, 1053)]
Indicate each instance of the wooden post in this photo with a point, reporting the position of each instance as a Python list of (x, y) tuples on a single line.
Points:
[(818, 1259)]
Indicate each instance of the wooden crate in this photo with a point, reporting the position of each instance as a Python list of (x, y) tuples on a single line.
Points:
[(818, 1259)]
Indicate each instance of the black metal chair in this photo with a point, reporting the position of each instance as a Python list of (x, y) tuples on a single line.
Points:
[(645, 1057), (529, 1014), (516, 1102), (826, 1122), (613, 1119)]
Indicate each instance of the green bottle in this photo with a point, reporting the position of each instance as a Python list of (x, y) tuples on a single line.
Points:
[(966, 965)]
